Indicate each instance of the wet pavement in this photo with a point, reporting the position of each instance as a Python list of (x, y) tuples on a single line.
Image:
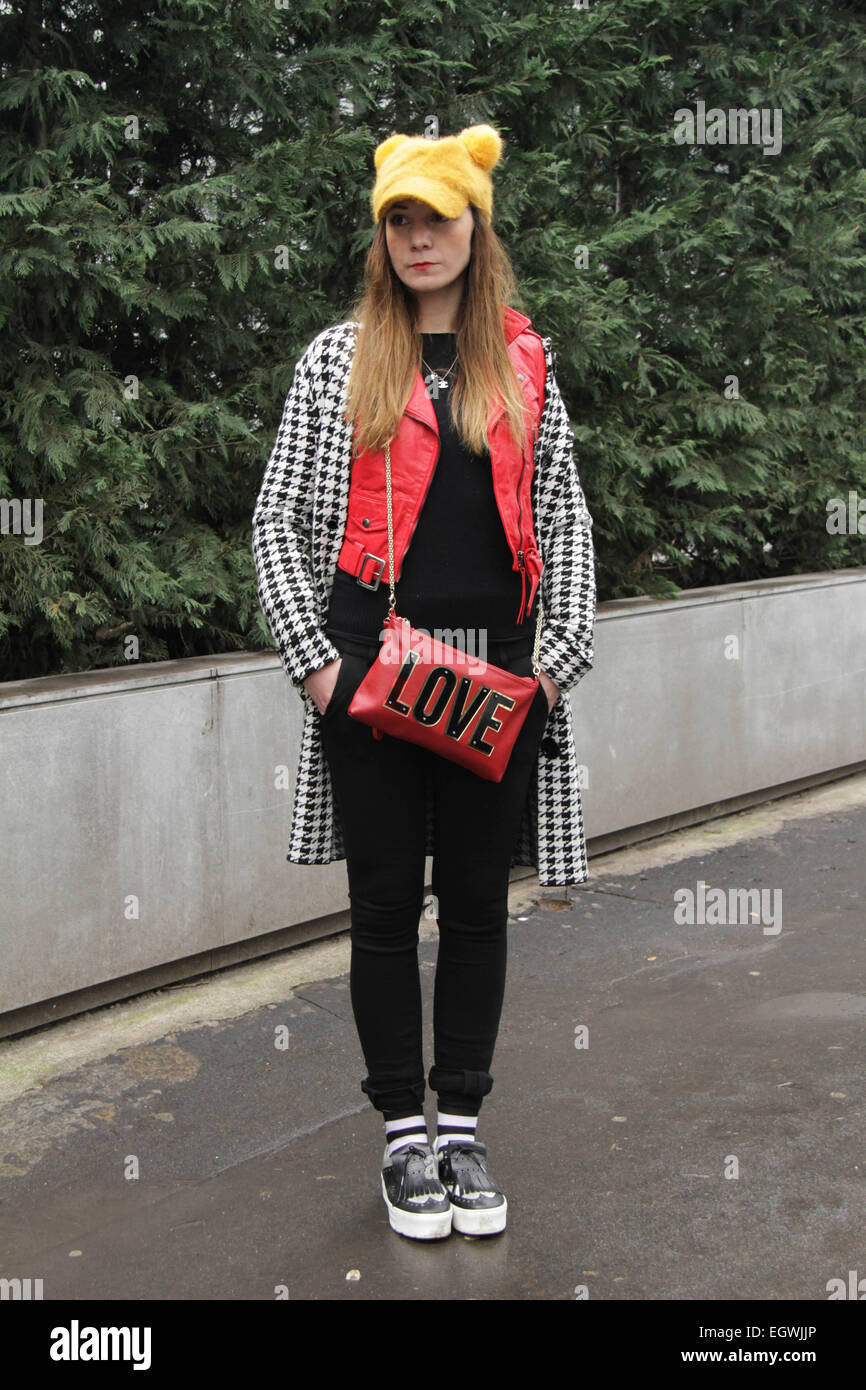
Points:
[(677, 1110)]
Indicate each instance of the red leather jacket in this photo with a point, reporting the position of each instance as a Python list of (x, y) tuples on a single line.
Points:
[(414, 454)]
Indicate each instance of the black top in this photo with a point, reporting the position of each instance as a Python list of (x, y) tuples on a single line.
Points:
[(457, 568)]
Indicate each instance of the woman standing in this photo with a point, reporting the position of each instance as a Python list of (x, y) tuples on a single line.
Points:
[(488, 517)]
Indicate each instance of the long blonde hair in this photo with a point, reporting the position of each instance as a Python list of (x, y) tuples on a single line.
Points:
[(388, 347)]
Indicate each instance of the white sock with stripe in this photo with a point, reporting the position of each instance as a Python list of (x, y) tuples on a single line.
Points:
[(453, 1127), (410, 1130)]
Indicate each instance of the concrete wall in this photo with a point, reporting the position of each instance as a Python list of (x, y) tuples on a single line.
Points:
[(142, 838), (722, 692)]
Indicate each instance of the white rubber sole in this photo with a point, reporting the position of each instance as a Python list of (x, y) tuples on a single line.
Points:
[(419, 1225), (483, 1222)]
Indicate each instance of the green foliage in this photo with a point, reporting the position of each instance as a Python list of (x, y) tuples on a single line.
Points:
[(184, 203)]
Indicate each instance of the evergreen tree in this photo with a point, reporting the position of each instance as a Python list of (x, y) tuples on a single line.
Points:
[(184, 204)]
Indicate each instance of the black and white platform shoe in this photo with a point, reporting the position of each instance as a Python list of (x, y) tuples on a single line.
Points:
[(478, 1205), (418, 1204)]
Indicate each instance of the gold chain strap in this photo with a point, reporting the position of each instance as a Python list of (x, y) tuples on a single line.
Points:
[(536, 666)]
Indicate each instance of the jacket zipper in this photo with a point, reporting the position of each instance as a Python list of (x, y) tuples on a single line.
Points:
[(520, 555)]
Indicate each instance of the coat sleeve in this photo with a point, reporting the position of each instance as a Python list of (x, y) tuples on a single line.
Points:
[(564, 533), (282, 535)]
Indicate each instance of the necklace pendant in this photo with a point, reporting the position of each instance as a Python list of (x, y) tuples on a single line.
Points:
[(434, 381)]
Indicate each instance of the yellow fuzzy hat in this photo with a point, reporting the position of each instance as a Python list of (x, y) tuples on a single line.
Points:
[(448, 173)]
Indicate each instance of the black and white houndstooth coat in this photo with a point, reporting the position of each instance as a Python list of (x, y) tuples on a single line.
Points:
[(297, 532)]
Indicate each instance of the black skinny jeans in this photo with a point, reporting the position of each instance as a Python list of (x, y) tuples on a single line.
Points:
[(380, 788)]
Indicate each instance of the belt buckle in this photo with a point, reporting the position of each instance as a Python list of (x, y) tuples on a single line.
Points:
[(368, 555)]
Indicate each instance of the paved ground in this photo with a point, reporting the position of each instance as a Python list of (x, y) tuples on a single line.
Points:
[(706, 1143)]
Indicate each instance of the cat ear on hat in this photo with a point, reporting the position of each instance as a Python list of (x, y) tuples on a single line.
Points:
[(387, 147), (483, 143)]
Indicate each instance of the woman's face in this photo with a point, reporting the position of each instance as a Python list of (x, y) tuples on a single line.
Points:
[(416, 232)]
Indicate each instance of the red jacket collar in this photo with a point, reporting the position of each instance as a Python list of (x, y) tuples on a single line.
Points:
[(515, 323)]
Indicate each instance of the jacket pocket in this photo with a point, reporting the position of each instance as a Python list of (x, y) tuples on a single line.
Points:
[(339, 686), (369, 507)]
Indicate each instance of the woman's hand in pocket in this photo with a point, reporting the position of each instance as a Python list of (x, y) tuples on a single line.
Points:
[(320, 684), (551, 689)]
